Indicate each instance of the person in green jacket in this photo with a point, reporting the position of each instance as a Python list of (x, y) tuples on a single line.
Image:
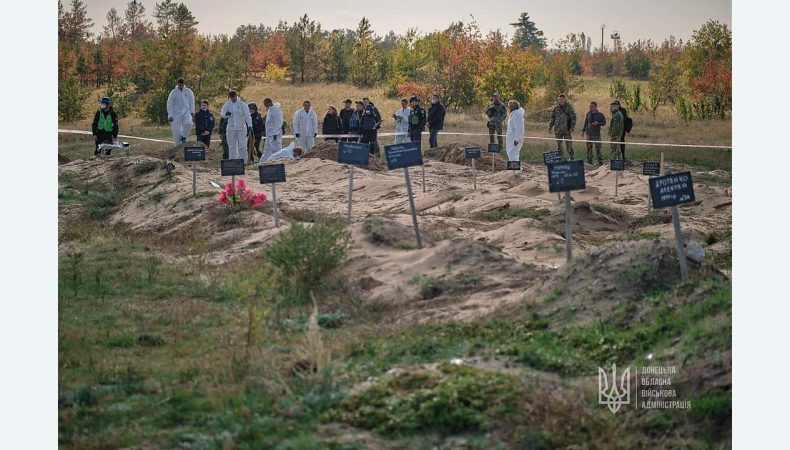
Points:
[(563, 120), (223, 134), (615, 129)]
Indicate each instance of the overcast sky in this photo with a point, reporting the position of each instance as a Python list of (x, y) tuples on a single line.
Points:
[(636, 19)]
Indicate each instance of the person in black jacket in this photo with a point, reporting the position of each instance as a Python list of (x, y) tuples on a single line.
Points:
[(345, 117), (258, 127), (377, 115), (416, 120), (105, 124), (204, 123), (355, 123), (435, 120), (332, 124)]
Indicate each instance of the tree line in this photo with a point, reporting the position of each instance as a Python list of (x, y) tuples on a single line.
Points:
[(136, 60)]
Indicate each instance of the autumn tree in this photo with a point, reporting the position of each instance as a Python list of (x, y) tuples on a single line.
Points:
[(302, 38), (365, 53), (74, 25)]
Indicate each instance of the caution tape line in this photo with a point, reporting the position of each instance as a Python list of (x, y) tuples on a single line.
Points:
[(538, 138)]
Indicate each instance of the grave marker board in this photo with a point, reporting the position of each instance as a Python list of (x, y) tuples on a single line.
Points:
[(651, 168), (231, 167), (473, 153), (514, 165), (494, 148), (192, 154), (671, 190), (400, 156), (354, 153), (617, 164), (566, 176), (552, 156), (272, 173)]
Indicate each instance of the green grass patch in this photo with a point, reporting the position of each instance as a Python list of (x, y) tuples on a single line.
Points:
[(516, 213)]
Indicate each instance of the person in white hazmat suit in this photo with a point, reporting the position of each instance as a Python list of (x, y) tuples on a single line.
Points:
[(514, 138), (289, 152), (305, 125), (401, 117), (239, 126), (274, 128), (181, 111)]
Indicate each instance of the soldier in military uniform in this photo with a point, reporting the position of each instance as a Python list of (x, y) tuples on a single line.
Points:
[(223, 133), (563, 120), (592, 132), (496, 113), (616, 129)]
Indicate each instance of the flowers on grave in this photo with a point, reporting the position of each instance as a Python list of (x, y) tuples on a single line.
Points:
[(240, 196)]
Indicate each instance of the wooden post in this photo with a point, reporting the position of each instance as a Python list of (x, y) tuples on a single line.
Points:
[(474, 176), (274, 205), (194, 180), (413, 209), (350, 190), (616, 179), (423, 178), (568, 227), (684, 269), (492, 162)]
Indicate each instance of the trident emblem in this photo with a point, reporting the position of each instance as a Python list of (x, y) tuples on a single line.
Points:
[(616, 396)]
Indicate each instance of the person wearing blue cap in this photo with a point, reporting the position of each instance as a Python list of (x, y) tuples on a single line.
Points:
[(105, 124)]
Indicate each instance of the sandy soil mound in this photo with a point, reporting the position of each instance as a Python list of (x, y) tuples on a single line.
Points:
[(454, 153), (62, 159), (328, 150)]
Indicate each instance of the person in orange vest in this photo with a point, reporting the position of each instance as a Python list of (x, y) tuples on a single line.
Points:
[(105, 124)]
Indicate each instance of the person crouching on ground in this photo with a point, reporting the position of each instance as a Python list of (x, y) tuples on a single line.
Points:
[(105, 124), (515, 131), (204, 123), (239, 126), (332, 124)]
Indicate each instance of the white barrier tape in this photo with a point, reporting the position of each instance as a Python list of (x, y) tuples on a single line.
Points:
[(541, 138)]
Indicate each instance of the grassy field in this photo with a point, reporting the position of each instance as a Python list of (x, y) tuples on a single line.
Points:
[(664, 128)]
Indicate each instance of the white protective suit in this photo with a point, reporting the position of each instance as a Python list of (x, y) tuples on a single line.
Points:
[(402, 125), (239, 121), (306, 126), (274, 131), (515, 132), (180, 108), (286, 153)]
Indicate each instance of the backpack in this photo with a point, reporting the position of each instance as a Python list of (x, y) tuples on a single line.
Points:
[(368, 122), (628, 124), (353, 123)]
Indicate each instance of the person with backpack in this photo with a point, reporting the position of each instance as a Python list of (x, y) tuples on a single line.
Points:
[(435, 120), (592, 129), (416, 120), (105, 124), (204, 124), (628, 123), (332, 124), (563, 120), (369, 128), (355, 122), (616, 129), (305, 124), (345, 116)]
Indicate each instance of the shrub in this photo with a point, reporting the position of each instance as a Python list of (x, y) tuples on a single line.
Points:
[(71, 100), (306, 255)]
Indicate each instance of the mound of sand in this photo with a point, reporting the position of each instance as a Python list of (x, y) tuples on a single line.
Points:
[(454, 153), (62, 159), (328, 150)]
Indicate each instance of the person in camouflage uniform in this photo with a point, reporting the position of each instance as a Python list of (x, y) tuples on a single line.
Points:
[(223, 133), (496, 113), (563, 120), (592, 130), (616, 127)]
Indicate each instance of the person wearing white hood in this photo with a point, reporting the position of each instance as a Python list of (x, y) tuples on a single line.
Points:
[(515, 131), (181, 111), (305, 125), (239, 126), (274, 128)]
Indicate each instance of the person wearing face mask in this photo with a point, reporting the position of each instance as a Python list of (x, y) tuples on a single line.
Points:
[(180, 111), (496, 114), (435, 120), (616, 127), (239, 126), (258, 130), (105, 124), (515, 131), (416, 120), (305, 123), (204, 123), (274, 125)]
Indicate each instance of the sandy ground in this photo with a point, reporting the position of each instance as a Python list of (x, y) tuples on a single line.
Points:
[(484, 264)]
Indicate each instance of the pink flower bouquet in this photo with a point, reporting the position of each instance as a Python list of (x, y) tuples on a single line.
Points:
[(241, 195)]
